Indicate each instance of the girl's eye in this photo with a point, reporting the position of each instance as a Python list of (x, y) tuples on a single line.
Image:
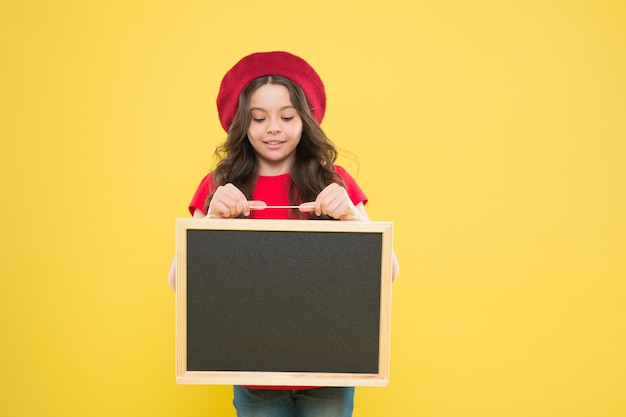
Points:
[(258, 119), (287, 118)]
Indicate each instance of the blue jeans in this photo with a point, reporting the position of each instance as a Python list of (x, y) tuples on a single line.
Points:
[(315, 402)]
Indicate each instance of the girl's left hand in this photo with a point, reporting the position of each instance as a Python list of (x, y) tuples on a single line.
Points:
[(334, 202)]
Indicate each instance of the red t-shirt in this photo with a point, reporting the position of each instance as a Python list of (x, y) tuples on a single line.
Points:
[(274, 190)]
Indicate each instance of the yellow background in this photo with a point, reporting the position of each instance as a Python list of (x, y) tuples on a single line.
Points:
[(491, 132)]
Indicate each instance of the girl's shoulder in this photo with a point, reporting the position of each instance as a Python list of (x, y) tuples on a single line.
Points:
[(354, 190), (343, 173), (340, 170)]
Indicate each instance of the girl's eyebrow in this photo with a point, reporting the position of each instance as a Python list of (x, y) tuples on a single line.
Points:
[(282, 108)]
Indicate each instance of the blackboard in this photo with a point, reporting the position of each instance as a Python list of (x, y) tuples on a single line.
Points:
[(283, 302)]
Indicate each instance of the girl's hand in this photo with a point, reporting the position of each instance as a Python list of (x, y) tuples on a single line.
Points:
[(228, 202), (335, 202)]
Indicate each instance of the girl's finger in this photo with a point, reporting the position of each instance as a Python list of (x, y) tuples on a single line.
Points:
[(307, 207), (256, 205), (253, 205)]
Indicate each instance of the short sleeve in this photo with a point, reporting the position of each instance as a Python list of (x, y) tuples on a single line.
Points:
[(199, 198), (355, 192)]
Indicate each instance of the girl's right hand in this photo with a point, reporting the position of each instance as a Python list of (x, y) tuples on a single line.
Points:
[(228, 202)]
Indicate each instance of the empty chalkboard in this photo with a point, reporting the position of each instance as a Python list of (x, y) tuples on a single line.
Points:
[(283, 302)]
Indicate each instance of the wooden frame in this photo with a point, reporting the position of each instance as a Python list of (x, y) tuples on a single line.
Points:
[(188, 230)]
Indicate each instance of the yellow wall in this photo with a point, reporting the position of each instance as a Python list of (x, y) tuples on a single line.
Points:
[(492, 133)]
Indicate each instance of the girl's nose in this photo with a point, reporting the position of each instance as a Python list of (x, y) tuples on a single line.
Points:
[(273, 130)]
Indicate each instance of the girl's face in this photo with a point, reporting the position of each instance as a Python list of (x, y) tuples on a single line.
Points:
[(275, 129)]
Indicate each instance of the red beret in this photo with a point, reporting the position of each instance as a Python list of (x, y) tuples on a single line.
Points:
[(260, 64)]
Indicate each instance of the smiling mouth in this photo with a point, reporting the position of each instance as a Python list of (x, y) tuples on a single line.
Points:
[(273, 142)]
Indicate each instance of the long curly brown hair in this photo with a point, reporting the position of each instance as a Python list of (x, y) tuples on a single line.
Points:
[(314, 165)]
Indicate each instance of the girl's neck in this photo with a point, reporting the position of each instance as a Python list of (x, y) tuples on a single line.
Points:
[(272, 173), (272, 170)]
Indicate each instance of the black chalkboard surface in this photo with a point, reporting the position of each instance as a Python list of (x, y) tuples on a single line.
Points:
[(283, 302)]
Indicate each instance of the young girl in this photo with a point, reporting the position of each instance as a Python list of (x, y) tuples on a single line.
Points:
[(276, 154)]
